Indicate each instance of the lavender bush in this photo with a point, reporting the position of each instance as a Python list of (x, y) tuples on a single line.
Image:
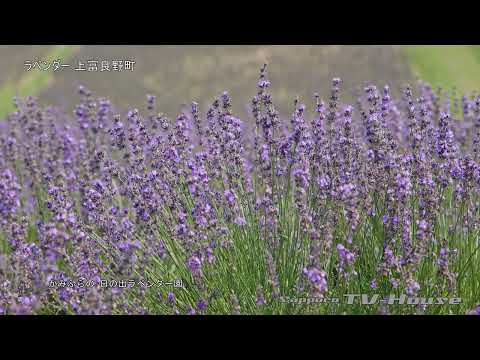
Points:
[(107, 214)]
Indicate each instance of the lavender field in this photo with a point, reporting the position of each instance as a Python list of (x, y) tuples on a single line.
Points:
[(105, 211)]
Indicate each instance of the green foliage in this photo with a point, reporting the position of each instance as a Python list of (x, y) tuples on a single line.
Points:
[(32, 82), (447, 66)]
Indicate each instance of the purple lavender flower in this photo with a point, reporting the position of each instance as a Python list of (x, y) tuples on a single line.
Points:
[(99, 194), (260, 300), (240, 221), (318, 279), (201, 305), (194, 264)]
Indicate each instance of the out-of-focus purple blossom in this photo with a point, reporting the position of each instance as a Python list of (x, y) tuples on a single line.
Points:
[(201, 305), (194, 264), (260, 300), (318, 279)]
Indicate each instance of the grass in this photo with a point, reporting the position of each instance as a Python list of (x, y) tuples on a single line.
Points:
[(33, 81), (447, 66)]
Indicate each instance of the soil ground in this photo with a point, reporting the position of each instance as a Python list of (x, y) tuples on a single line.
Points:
[(180, 74)]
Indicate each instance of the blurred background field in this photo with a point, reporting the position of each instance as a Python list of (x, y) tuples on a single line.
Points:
[(180, 74)]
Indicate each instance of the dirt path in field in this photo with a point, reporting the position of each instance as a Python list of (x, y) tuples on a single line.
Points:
[(181, 74)]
